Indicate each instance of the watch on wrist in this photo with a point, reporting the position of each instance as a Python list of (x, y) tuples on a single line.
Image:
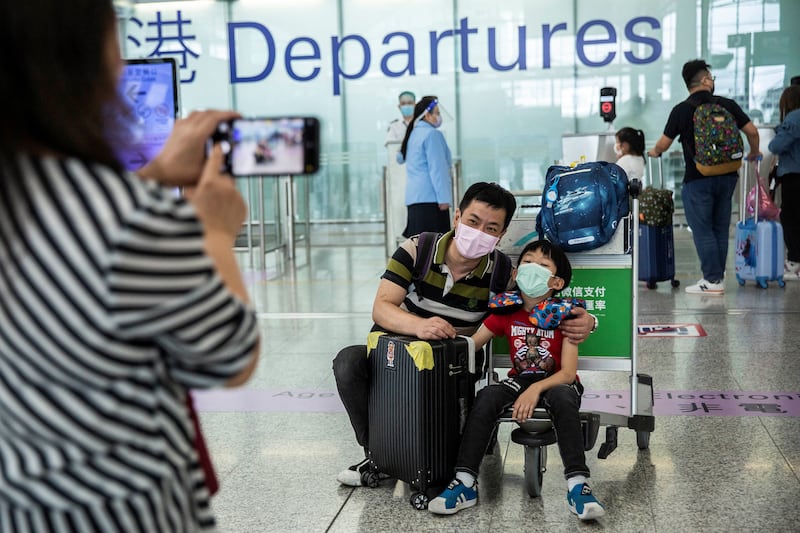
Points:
[(596, 323)]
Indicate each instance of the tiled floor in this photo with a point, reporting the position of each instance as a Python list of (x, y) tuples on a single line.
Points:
[(277, 458)]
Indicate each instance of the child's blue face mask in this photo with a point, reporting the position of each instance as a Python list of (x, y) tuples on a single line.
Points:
[(532, 279)]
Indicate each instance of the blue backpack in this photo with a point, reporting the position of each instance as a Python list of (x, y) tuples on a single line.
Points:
[(581, 206)]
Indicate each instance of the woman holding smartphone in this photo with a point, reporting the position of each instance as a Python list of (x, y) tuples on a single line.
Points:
[(115, 296)]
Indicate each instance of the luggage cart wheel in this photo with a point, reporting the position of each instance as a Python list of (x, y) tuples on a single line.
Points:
[(781, 283), (535, 466), (651, 285), (643, 439), (762, 284), (740, 280), (370, 479), (419, 501), (675, 283)]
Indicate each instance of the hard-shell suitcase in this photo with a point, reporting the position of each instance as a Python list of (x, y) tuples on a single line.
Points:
[(657, 246), (421, 394), (759, 243)]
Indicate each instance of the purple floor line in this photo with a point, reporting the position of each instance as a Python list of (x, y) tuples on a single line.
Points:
[(666, 403)]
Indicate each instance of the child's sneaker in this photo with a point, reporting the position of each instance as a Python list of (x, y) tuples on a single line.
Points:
[(454, 498), (582, 502), (706, 287)]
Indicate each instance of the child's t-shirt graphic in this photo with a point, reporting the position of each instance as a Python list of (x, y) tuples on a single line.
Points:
[(533, 350)]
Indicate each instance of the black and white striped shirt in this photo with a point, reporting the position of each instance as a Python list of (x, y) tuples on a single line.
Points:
[(109, 311)]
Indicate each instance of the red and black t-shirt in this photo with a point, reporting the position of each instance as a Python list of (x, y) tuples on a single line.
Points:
[(533, 350)]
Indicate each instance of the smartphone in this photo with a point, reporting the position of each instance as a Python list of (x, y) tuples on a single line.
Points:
[(269, 146), (149, 87)]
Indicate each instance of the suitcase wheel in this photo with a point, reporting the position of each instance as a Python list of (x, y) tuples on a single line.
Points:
[(675, 283), (762, 284), (781, 283), (650, 284), (740, 280), (419, 500), (535, 467), (643, 439), (370, 479)]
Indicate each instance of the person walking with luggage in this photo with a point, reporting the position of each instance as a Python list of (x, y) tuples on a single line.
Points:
[(786, 145), (543, 271), (429, 189), (450, 299), (396, 131), (629, 148), (709, 127)]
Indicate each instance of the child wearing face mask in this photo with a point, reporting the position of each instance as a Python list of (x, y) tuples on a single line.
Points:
[(543, 271), (630, 152)]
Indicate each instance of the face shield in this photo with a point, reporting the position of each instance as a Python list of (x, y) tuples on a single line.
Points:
[(431, 111)]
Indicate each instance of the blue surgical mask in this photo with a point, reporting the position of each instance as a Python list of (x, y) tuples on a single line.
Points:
[(406, 110), (532, 279), (437, 121)]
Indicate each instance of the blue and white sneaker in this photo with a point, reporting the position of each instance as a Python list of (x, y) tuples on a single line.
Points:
[(454, 498), (582, 502)]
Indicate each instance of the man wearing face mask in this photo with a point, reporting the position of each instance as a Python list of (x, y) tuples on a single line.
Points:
[(397, 128), (706, 198), (451, 298)]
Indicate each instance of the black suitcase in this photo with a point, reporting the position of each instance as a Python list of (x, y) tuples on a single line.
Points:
[(421, 394)]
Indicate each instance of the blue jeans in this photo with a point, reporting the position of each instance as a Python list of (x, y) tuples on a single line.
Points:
[(707, 204)]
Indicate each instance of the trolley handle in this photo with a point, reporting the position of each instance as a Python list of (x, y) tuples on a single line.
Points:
[(651, 175)]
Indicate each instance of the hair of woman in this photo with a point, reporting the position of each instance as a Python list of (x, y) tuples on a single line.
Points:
[(634, 138), (419, 109), (59, 83), (790, 100)]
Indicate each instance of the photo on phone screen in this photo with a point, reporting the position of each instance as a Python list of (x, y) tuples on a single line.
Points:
[(273, 146), (150, 88)]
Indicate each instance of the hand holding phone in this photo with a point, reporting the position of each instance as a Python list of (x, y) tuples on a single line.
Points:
[(270, 146), (182, 158)]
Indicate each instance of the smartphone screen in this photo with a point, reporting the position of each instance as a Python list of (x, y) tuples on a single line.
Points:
[(150, 88), (273, 146)]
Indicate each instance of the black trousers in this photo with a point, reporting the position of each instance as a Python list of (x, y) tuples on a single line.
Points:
[(562, 401), (352, 374), (426, 217), (790, 215)]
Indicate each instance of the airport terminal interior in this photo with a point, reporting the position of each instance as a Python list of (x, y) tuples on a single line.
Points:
[(714, 462), (521, 85)]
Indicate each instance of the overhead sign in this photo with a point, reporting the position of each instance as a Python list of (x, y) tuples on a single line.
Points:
[(774, 47)]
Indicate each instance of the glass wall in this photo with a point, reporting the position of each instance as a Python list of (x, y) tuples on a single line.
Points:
[(514, 76)]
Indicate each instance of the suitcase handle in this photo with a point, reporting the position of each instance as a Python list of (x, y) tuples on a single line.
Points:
[(470, 354), (651, 175), (744, 190)]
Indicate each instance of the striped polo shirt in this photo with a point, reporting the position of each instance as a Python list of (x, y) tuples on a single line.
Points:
[(109, 311), (463, 305)]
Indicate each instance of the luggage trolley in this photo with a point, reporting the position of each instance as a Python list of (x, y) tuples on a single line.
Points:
[(605, 350)]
